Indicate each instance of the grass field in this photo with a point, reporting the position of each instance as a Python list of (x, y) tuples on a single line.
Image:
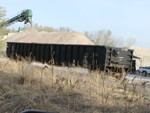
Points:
[(66, 90)]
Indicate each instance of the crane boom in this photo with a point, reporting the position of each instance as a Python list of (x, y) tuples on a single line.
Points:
[(25, 15)]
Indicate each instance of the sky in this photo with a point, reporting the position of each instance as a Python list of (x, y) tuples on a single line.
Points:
[(124, 18)]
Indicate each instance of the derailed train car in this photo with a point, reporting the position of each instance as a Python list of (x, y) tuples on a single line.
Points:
[(88, 56)]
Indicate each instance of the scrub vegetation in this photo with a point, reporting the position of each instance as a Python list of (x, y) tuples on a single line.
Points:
[(66, 90)]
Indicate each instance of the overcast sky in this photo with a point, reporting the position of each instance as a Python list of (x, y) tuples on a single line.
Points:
[(125, 18)]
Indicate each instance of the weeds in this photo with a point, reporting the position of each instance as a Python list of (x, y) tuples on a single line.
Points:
[(67, 90)]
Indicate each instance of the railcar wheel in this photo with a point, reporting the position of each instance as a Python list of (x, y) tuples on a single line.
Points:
[(144, 73)]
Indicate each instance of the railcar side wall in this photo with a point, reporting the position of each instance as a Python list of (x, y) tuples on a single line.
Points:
[(88, 56)]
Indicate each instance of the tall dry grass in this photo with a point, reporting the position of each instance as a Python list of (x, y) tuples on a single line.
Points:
[(66, 90)]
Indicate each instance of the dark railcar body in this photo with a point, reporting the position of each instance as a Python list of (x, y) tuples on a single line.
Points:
[(89, 56)]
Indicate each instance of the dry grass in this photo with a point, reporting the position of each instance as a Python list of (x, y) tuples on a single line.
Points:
[(66, 90)]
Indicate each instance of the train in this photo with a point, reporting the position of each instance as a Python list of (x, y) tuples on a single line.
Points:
[(93, 57)]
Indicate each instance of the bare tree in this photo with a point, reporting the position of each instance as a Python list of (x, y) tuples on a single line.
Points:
[(104, 37), (130, 41)]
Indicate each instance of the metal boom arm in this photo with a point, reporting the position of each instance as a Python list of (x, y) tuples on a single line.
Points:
[(25, 15)]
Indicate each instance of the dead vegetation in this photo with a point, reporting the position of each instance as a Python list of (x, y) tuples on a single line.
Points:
[(66, 90)]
